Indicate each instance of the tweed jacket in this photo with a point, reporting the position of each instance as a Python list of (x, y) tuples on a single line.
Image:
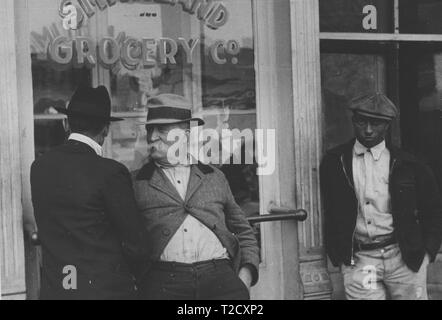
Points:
[(209, 199)]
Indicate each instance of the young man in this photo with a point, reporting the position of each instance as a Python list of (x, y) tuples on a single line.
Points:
[(383, 212), (201, 245), (88, 221)]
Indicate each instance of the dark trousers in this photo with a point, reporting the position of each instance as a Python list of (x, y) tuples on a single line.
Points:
[(212, 280)]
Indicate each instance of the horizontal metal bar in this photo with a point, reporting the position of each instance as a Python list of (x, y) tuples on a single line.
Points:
[(354, 36), (296, 215)]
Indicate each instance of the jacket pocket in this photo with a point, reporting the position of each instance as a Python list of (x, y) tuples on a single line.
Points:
[(404, 198)]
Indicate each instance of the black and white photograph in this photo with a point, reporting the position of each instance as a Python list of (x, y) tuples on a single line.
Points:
[(233, 151)]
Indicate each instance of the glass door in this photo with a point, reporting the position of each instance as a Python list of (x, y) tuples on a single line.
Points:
[(138, 49)]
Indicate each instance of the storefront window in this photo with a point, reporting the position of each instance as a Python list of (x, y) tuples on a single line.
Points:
[(356, 16), (140, 49)]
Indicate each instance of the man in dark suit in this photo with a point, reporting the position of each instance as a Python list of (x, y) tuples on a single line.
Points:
[(201, 245), (88, 222)]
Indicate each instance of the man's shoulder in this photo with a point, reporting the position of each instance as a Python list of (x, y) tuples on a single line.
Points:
[(55, 156), (143, 173), (337, 151), (211, 171), (112, 166), (410, 160), (403, 155)]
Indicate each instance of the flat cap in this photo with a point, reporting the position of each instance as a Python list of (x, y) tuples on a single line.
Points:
[(374, 106)]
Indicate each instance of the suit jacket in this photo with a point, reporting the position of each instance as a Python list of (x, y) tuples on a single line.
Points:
[(416, 206), (209, 199), (87, 218)]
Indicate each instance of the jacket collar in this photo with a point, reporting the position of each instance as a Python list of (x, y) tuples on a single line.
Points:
[(158, 180), (78, 147), (146, 173), (376, 151), (88, 141), (345, 153)]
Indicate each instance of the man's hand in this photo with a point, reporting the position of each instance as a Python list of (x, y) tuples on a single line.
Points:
[(246, 276)]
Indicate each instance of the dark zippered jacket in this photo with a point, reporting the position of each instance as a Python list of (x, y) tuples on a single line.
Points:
[(415, 201)]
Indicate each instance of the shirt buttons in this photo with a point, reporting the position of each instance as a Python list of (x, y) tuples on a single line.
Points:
[(369, 222), (185, 230)]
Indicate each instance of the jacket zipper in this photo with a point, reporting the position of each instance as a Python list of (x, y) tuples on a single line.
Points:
[(389, 181), (352, 261), (391, 169)]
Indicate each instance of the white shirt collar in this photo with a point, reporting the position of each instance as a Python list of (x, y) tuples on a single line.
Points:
[(86, 140), (376, 151)]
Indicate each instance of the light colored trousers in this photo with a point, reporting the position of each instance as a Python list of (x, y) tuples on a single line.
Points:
[(381, 274)]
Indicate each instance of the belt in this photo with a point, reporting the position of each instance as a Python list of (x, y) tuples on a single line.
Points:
[(185, 267), (374, 246)]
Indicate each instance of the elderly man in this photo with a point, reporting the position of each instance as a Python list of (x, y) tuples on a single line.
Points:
[(88, 221), (201, 243), (383, 212)]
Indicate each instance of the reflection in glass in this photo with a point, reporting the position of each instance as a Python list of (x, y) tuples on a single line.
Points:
[(48, 134), (53, 85), (229, 97), (429, 66), (348, 15), (129, 145), (423, 16), (131, 88)]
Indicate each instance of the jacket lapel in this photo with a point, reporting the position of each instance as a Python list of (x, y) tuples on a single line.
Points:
[(195, 181), (348, 163), (158, 180), (162, 183)]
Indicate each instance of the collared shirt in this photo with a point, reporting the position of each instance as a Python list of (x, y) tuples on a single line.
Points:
[(90, 142), (193, 242), (371, 170)]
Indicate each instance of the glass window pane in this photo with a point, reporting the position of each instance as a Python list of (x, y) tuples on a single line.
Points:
[(429, 93), (48, 133), (350, 16), (129, 144), (53, 84), (131, 87), (423, 16)]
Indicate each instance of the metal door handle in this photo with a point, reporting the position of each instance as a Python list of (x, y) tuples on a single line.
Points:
[(280, 214)]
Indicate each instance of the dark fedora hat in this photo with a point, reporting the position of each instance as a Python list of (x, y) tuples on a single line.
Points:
[(169, 109), (92, 103)]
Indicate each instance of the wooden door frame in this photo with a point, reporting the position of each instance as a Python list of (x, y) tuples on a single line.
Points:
[(16, 101), (289, 100), (279, 270)]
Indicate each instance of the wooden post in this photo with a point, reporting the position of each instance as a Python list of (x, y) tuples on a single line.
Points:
[(307, 125), (11, 234), (27, 147)]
